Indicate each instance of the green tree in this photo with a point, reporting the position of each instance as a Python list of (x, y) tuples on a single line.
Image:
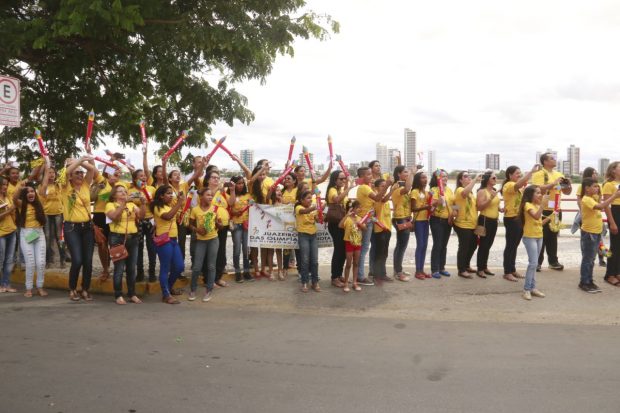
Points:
[(173, 63)]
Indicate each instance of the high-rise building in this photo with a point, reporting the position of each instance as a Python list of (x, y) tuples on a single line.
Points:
[(432, 161), (565, 167), (572, 156), (492, 161), (603, 163), (410, 148), (382, 155), (247, 157), (302, 160)]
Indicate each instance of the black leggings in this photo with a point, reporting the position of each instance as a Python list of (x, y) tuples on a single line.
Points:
[(486, 242), (467, 247), (550, 242), (514, 233), (339, 256)]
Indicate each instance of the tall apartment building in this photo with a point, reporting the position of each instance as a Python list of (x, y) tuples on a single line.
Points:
[(573, 157), (492, 161), (432, 161), (603, 163), (409, 148), (381, 154), (247, 157)]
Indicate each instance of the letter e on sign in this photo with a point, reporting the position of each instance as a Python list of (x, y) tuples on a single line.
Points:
[(9, 101)]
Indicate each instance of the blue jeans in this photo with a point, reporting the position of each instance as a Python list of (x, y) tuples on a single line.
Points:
[(421, 238), (309, 254), (171, 265), (440, 230), (34, 254), (205, 255), (366, 235), (589, 250), (240, 246), (128, 264), (7, 257), (402, 240), (533, 247), (80, 239)]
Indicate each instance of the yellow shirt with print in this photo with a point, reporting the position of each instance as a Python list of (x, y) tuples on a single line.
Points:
[(133, 192), (202, 216), (383, 215), (402, 204), (161, 225), (532, 228), (221, 200), (127, 221), (352, 233), (543, 177), (75, 203), (333, 193), (289, 197), (51, 200), (512, 199), (366, 203), (31, 218), (492, 210), (305, 222), (467, 215), (7, 223), (442, 210), (241, 202), (609, 188), (421, 199), (591, 218)]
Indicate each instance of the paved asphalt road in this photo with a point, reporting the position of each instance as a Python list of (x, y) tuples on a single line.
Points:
[(59, 356)]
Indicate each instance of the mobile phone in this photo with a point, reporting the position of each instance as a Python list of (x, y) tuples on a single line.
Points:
[(401, 183)]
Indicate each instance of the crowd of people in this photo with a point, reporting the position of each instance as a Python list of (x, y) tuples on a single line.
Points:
[(79, 207)]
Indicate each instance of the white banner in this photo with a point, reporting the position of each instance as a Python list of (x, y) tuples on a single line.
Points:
[(273, 226)]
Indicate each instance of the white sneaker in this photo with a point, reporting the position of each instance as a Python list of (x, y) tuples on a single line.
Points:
[(527, 295), (191, 296), (537, 293), (207, 297)]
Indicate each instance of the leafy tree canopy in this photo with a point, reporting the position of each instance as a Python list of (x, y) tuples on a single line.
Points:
[(171, 62)]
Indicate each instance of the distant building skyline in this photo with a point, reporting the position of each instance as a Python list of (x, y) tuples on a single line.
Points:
[(603, 163), (492, 161), (573, 157), (432, 161), (247, 157), (409, 148)]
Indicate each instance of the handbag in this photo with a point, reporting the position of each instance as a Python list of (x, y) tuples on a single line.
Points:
[(119, 252), (31, 237), (481, 230), (163, 239), (335, 213)]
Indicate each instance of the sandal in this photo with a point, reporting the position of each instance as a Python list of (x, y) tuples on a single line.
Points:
[(403, 277), (86, 296), (612, 278), (170, 300), (10, 290), (464, 274), (304, 288), (120, 301), (28, 294), (420, 276), (73, 295), (357, 287), (316, 287), (337, 283), (223, 283), (42, 292), (470, 270), (134, 299), (346, 289), (481, 274), (518, 275), (282, 275), (510, 277)]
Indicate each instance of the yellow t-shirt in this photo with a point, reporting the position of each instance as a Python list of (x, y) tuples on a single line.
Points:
[(241, 202), (31, 219), (305, 222), (7, 223), (591, 218), (104, 194), (402, 204), (532, 228), (75, 203), (366, 203), (596, 197), (420, 199), (543, 177), (333, 193), (512, 199), (209, 216), (127, 221), (51, 200), (132, 190), (289, 197), (352, 232), (442, 210), (383, 215), (467, 215), (265, 186), (492, 210), (10, 190), (221, 200), (610, 188), (163, 226)]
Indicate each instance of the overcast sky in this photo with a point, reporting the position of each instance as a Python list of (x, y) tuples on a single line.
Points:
[(470, 77)]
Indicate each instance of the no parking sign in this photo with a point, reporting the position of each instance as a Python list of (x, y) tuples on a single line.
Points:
[(9, 101)]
